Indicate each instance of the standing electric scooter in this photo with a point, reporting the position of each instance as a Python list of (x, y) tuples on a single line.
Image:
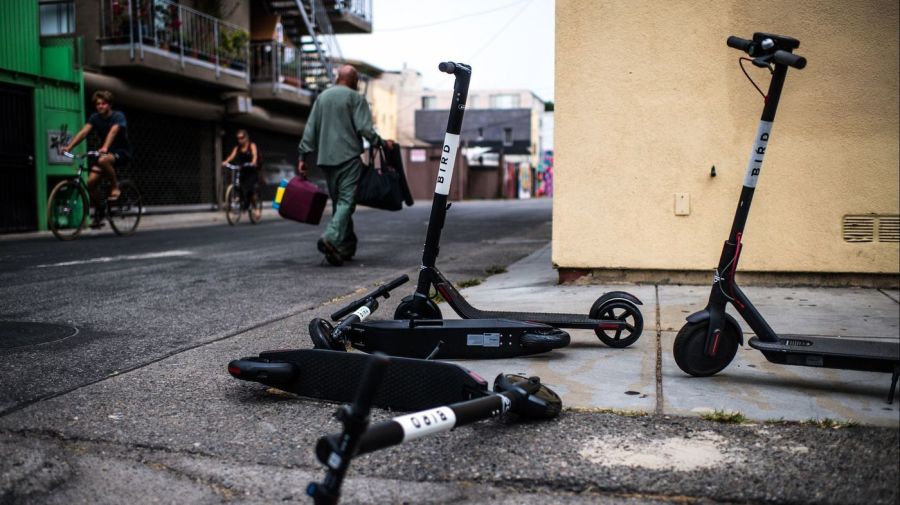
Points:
[(525, 397), (709, 340), (614, 317)]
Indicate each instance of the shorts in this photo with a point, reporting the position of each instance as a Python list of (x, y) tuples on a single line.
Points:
[(123, 157)]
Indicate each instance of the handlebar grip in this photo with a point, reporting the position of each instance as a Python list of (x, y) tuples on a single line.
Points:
[(448, 67), (739, 43), (68, 155), (789, 59)]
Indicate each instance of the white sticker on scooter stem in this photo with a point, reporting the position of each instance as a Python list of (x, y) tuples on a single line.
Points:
[(363, 312), (426, 422), (754, 166), (445, 169)]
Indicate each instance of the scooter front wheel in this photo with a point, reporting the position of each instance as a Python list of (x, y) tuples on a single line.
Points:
[(322, 334), (612, 308), (405, 310), (690, 349)]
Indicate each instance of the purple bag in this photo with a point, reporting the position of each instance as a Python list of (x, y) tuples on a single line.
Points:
[(303, 201)]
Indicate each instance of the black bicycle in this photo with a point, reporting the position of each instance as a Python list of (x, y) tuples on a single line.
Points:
[(69, 204), (236, 202)]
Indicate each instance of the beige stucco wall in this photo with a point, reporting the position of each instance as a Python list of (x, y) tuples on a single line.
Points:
[(382, 96), (648, 98)]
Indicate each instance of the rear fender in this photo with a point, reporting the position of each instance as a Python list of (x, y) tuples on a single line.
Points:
[(612, 295)]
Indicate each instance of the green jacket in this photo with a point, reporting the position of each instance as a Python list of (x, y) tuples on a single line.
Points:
[(340, 117)]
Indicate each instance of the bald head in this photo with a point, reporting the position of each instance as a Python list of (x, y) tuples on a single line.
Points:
[(348, 76)]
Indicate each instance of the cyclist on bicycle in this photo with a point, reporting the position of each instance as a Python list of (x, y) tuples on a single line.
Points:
[(115, 151), (243, 153)]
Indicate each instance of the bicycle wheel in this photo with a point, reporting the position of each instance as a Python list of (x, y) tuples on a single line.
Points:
[(232, 205), (124, 213), (255, 210), (67, 210)]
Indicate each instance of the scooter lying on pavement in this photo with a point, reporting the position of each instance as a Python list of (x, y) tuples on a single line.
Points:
[(431, 338), (708, 342), (410, 384), (614, 317), (525, 397), (330, 373)]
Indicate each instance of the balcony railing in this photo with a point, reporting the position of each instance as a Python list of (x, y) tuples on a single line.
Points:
[(174, 29), (359, 8), (273, 62)]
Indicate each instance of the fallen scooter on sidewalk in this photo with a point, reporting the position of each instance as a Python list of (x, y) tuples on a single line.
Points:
[(431, 338), (514, 394), (330, 373)]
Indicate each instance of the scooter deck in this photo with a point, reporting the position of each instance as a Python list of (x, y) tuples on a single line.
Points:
[(830, 352), (557, 320), (409, 384), (456, 338)]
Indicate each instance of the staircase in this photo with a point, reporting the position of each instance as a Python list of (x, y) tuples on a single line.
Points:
[(307, 24)]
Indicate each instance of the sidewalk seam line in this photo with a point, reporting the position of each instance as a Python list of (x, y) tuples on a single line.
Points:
[(889, 296), (659, 385)]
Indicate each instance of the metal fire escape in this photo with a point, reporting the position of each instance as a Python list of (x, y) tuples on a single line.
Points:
[(307, 24)]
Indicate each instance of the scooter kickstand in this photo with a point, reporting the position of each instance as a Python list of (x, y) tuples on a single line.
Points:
[(894, 379), (437, 348)]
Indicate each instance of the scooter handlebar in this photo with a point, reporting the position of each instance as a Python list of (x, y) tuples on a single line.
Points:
[(382, 291), (789, 59), (448, 67), (739, 43), (761, 50)]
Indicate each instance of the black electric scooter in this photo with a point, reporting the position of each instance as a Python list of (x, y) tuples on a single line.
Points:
[(331, 373), (614, 317), (525, 397), (709, 340), (431, 338)]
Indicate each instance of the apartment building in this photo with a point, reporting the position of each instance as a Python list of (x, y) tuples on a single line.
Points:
[(189, 73)]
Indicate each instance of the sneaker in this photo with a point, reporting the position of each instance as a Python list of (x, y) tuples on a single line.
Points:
[(332, 256)]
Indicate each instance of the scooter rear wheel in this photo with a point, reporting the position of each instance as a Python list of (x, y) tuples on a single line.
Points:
[(690, 345), (611, 307), (546, 340)]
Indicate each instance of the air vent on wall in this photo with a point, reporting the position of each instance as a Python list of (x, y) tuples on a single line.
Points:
[(871, 228), (889, 229)]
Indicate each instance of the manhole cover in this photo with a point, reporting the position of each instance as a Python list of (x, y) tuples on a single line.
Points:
[(21, 334)]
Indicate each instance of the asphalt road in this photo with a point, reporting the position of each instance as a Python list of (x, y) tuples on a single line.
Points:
[(137, 407), (138, 299)]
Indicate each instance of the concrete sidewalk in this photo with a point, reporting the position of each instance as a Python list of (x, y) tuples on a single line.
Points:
[(644, 377)]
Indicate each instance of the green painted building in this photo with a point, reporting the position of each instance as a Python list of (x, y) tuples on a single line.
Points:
[(41, 99)]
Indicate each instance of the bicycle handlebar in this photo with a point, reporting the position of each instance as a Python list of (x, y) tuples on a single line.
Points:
[(89, 154), (231, 166)]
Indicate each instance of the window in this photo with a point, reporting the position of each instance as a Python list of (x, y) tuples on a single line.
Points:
[(429, 102), (507, 137), (506, 101), (57, 17)]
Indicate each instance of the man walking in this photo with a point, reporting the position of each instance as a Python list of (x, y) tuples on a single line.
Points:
[(339, 119)]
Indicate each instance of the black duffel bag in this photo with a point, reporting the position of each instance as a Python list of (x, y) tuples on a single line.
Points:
[(382, 185)]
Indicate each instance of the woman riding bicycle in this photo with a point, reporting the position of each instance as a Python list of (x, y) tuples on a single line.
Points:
[(246, 156)]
